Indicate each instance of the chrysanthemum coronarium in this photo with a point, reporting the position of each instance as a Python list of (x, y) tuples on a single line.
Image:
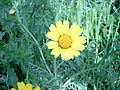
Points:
[(66, 41), (22, 86)]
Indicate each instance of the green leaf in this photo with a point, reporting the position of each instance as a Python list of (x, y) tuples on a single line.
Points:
[(12, 78)]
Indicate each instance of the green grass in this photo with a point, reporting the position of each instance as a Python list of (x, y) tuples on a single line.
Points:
[(25, 57)]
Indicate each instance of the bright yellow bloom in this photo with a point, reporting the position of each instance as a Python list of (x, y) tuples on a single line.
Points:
[(66, 41), (22, 86)]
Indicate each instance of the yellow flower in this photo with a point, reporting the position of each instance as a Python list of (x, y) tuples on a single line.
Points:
[(22, 86), (66, 41)]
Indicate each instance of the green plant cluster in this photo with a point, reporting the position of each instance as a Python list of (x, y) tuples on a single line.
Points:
[(25, 57)]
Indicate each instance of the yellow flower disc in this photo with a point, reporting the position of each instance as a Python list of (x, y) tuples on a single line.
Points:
[(65, 41)]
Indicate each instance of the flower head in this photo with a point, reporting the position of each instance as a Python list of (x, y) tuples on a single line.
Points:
[(66, 41), (12, 11), (22, 86)]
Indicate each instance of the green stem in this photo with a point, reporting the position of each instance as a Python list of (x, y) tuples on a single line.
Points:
[(40, 50), (98, 67), (55, 68)]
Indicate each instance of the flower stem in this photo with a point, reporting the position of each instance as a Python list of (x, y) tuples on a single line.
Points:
[(36, 42)]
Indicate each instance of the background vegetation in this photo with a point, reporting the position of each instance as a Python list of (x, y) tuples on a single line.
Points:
[(22, 58)]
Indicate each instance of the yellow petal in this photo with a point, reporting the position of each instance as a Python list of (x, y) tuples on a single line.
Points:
[(56, 51), (52, 44), (52, 28), (65, 26), (82, 39), (13, 89), (21, 86), (53, 35), (74, 52), (78, 42), (59, 26), (66, 55), (79, 39), (78, 46), (63, 54), (75, 30), (37, 88), (28, 87)]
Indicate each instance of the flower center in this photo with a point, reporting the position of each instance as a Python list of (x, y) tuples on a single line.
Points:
[(65, 41)]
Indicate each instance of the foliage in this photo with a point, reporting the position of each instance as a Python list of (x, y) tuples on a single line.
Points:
[(25, 57)]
